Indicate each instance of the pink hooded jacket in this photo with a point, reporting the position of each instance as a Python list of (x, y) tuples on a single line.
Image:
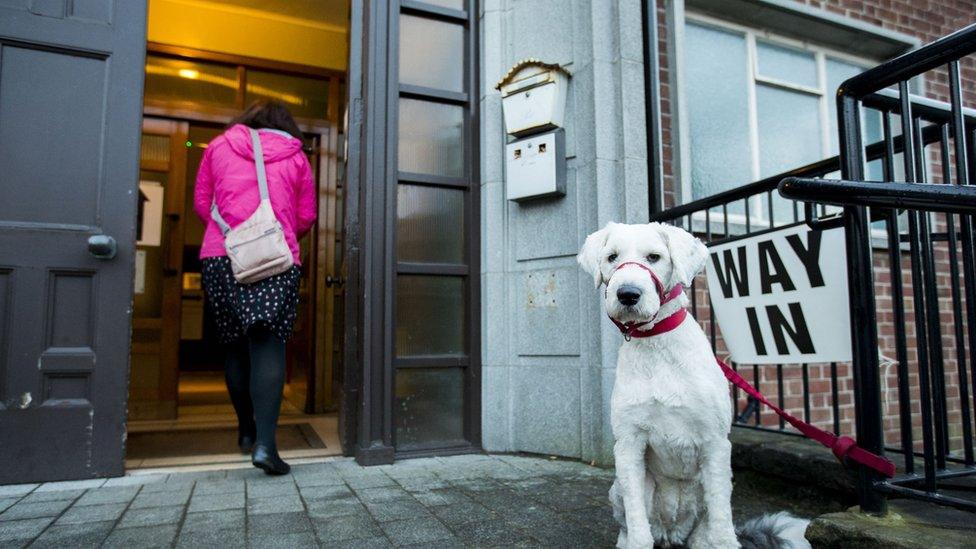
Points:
[(227, 171)]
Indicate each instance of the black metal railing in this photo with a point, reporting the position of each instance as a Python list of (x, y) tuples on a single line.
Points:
[(922, 193), (907, 251)]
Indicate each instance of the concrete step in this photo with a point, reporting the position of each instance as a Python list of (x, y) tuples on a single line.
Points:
[(909, 524)]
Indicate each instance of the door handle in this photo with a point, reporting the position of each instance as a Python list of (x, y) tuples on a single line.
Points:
[(331, 281), (102, 246)]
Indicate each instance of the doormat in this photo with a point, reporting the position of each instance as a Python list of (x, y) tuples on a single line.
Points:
[(221, 440)]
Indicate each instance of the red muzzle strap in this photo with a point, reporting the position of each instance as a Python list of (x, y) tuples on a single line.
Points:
[(633, 329), (843, 447)]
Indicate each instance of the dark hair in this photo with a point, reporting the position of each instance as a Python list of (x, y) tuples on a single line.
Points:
[(268, 114)]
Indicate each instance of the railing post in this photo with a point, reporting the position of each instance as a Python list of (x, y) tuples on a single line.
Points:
[(864, 325)]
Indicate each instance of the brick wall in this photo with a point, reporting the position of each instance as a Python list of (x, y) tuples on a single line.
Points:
[(926, 20)]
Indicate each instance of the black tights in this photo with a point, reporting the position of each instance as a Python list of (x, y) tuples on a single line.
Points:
[(255, 371)]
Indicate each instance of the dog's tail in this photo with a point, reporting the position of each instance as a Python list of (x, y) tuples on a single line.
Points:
[(777, 531)]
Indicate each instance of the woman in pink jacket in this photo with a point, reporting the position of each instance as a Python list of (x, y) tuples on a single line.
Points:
[(254, 320)]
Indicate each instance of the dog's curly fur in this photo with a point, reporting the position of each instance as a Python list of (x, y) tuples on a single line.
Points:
[(670, 410)]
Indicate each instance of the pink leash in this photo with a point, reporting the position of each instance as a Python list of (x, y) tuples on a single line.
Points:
[(842, 446)]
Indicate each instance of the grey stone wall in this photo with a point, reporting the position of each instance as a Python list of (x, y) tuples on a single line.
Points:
[(548, 354)]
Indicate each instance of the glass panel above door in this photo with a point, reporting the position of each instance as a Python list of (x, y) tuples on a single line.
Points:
[(305, 97), (430, 224), (431, 53), (190, 83), (431, 139)]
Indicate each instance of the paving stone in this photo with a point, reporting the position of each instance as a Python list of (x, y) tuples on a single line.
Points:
[(275, 504), (74, 535), (562, 534), (383, 493), (92, 513), (442, 497), (22, 530), (304, 481), (169, 486), (422, 483), (461, 513), (230, 519), (297, 540), (101, 496), (24, 510), (216, 502), (12, 490), (370, 543), (488, 533), (36, 497), (338, 529), (497, 499), (417, 530), (271, 489), (359, 482), (314, 470), (198, 475), (278, 522), (327, 508), (224, 486), (325, 492), (141, 538), (152, 516), (476, 484), (209, 539), (160, 499), (437, 544), (136, 480), (7, 502), (397, 509), (71, 485), (245, 473)]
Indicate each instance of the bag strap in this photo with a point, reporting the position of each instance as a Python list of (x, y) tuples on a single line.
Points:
[(262, 181)]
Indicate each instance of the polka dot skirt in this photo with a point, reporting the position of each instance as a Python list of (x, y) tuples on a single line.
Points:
[(236, 307)]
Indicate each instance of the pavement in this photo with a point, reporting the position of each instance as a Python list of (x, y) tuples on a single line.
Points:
[(459, 501)]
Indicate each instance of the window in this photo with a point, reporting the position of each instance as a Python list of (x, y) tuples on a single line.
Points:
[(758, 105)]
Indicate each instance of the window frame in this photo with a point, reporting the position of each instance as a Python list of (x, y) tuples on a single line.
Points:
[(685, 189)]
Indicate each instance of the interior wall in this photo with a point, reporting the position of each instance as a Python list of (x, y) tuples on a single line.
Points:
[(231, 28)]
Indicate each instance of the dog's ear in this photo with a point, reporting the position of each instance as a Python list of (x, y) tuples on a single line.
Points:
[(688, 254), (589, 255)]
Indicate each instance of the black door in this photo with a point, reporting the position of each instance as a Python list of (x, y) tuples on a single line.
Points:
[(71, 75)]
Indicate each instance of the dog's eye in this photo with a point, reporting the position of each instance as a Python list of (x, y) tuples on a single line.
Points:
[(653, 258), (611, 258)]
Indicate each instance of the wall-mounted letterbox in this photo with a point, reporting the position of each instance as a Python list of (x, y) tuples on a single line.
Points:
[(536, 166), (533, 97)]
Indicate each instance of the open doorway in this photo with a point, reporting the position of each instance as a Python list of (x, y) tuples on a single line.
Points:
[(205, 62)]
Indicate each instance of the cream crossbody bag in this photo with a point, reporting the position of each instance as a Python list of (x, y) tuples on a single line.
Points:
[(257, 247)]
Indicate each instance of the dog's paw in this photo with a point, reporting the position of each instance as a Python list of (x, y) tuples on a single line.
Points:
[(642, 540), (714, 538)]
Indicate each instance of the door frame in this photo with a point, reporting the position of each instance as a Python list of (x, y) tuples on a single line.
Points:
[(367, 411), (320, 395), (174, 226)]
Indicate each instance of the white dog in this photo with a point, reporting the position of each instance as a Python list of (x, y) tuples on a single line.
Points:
[(670, 411)]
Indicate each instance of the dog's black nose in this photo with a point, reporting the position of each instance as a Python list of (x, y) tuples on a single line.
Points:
[(628, 295)]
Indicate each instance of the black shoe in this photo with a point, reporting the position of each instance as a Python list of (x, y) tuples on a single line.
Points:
[(245, 443), (268, 461)]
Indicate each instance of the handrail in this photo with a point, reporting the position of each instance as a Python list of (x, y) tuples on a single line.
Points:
[(953, 199), (904, 67)]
